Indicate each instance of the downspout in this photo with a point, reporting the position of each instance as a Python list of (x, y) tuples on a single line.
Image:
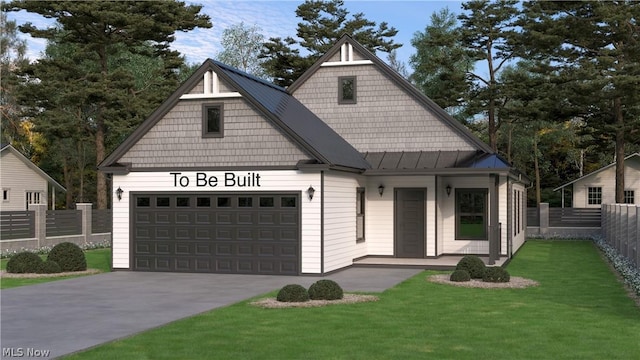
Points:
[(322, 222)]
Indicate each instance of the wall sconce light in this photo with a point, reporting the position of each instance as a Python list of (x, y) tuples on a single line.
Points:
[(381, 189), (119, 193), (310, 192), (448, 190)]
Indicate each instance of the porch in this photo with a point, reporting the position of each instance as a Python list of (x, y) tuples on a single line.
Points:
[(444, 262)]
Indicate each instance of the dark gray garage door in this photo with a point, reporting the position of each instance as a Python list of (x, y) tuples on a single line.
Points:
[(256, 233)]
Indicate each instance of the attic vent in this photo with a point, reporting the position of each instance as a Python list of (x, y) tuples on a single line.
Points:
[(211, 88), (346, 52), (211, 84)]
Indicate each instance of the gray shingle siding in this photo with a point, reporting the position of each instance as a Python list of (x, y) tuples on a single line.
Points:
[(385, 117), (249, 140)]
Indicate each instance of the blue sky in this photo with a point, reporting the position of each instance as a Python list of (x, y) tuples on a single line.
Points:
[(278, 19)]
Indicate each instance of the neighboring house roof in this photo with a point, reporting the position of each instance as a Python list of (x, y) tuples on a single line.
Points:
[(6, 149), (275, 103), (400, 81), (596, 172)]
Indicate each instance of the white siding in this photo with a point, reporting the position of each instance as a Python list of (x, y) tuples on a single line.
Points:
[(288, 180), (607, 180), (379, 211), (19, 179), (340, 221), (520, 237)]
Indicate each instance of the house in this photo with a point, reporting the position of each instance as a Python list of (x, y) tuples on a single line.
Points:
[(23, 182), (232, 174), (599, 187)]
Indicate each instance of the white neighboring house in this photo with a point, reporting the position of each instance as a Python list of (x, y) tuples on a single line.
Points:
[(22, 182), (599, 187)]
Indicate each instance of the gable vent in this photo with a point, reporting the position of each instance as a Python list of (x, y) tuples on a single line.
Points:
[(211, 88)]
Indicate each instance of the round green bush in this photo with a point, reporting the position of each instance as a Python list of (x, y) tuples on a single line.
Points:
[(69, 256), (49, 267), (473, 264), (24, 262), (293, 293), (460, 276), (496, 274), (325, 290)]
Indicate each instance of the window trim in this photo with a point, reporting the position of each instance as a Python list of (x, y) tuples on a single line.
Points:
[(599, 189), (341, 99), (360, 213), (205, 120), (485, 214), (631, 195)]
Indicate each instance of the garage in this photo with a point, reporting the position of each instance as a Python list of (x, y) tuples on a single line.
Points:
[(239, 233)]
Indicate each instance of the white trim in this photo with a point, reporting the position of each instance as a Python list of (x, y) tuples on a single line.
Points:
[(345, 63), (207, 82), (210, 96)]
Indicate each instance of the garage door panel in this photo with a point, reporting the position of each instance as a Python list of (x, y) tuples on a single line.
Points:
[(230, 233)]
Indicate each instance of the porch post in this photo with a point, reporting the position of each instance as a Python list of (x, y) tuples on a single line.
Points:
[(494, 235)]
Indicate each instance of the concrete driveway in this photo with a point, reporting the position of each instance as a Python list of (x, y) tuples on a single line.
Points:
[(66, 316)]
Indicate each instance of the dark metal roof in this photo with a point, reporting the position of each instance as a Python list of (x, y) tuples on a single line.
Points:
[(420, 160), (296, 119)]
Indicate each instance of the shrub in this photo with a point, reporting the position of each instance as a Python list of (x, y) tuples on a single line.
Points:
[(473, 264), (293, 293), (24, 262), (460, 276), (69, 256), (49, 267), (325, 290), (496, 274)]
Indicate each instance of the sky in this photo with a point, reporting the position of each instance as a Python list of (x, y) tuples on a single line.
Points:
[(275, 19)]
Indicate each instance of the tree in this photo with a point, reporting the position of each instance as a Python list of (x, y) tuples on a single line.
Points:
[(99, 30), (12, 58), (241, 47), (397, 65), (441, 62), (323, 23), (595, 47), (486, 33)]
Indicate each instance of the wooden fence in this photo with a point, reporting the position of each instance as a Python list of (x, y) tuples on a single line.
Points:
[(563, 222), (64, 222), (17, 224), (621, 230), (574, 217)]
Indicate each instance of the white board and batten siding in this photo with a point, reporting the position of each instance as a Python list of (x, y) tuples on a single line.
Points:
[(18, 179), (519, 216), (340, 220), (379, 213), (271, 180)]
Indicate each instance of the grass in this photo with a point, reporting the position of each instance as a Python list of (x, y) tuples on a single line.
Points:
[(96, 259), (579, 311)]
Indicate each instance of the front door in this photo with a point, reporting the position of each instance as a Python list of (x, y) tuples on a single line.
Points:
[(410, 223)]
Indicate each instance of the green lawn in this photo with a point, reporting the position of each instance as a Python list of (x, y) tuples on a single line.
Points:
[(96, 259), (579, 311)]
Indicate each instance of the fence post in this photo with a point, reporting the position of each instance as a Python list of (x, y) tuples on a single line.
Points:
[(86, 220), (637, 239), (603, 220), (544, 218), (40, 211), (632, 235)]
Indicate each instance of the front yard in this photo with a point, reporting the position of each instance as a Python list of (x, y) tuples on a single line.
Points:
[(579, 311)]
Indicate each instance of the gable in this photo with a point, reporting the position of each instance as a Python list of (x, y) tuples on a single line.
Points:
[(389, 114), (176, 140), (19, 172)]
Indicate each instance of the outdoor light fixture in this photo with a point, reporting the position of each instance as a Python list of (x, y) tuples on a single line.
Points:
[(448, 190), (119, 193), (311, 191), (381, 189)]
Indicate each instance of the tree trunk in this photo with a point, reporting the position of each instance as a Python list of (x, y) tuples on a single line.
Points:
[(537, 170), (101, 179), (68, 184), (619, 151)]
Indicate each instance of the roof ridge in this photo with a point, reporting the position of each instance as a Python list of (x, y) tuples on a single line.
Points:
[(248, 76)]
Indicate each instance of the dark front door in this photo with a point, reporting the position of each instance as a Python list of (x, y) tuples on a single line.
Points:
[(410, 223)]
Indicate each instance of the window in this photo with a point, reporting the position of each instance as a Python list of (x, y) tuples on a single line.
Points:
[(162, 202), (347, 90), (33, 197), (360, 215), (629, 197), (594, 195), (224, 202), (288, 201), (5, 194), (266, 202), (203, 202), (182, 202), (471, 214), (212, 124), (245, 202), (143, 201)]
